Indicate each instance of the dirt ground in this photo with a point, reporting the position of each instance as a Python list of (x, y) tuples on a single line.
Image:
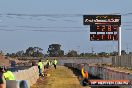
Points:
[(4, 61), (62, 77)]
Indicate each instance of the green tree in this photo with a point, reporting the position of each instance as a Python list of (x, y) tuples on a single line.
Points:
[(54, 50), (82, 55), (13, 55), (102, 54), (114, 53), (8, 54), (123, 52), (20, 53), (72, 53), (34, 52), (29, 51), (130, 53)]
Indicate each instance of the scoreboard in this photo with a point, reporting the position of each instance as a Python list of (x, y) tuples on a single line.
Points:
[(104, 28), (103, 37)]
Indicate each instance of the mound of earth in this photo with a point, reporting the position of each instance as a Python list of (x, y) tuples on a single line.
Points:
[(4, 61)]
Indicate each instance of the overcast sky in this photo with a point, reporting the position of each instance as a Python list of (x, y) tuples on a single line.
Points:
[(25, 23)]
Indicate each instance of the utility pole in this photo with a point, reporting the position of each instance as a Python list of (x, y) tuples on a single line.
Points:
[(127, 49), (119, 41)]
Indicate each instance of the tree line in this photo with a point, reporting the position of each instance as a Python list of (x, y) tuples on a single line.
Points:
[(55, 50)]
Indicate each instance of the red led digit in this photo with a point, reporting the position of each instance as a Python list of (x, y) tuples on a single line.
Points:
[(115, 28), (98, 37), (91, 37), (109, 28), (103, 37), (98, 28), (103, 27), (109, 37)]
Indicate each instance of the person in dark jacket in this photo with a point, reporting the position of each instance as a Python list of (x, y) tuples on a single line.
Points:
[(2, 80), (55, 63)]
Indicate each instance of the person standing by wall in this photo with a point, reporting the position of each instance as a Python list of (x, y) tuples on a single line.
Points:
[(47, 63), (85, 76), (2, 80), (55, 63), (40, 67), (8, 75)]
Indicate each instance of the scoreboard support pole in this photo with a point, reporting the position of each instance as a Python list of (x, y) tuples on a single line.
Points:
[(119, 41)]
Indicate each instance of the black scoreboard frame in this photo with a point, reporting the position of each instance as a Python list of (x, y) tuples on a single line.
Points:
[(102, 19)]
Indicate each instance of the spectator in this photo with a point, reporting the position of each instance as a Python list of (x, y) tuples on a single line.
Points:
[(47, 63), (55, 63), (40, 67), (8, 75), (84, 73), (2, 80)]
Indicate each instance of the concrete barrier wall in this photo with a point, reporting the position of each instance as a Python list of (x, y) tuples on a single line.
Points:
[(103, 72), (31, 75), (17, 84), (84, 60), (122, 61), (63, 60)]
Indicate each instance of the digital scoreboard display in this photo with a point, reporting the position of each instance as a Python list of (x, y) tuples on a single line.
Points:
[(102, 19), (104, 28), (103, 37)]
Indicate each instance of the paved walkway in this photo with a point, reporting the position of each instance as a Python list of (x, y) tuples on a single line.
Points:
[(62, 77)]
